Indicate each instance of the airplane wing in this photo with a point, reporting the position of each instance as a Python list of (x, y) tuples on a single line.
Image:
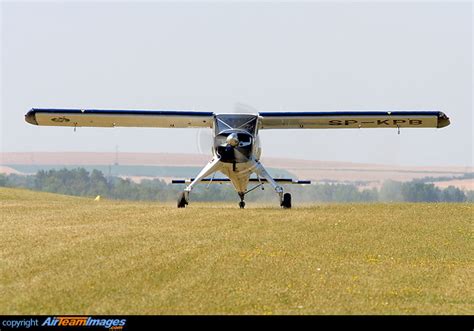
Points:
[(252, 180), (126, 118), (353, 119)]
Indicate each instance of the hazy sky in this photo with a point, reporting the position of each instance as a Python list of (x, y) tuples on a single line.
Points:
[(272, 56)]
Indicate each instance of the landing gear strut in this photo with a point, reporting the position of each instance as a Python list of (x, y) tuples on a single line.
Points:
[(209, 169)]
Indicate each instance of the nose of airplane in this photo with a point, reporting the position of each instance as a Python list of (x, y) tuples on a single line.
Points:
[(232, 139)]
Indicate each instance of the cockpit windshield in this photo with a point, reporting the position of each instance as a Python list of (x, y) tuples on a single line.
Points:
[(236, 121)]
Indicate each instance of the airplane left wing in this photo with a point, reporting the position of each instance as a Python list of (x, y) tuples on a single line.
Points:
[(353, 119), (251, 180), (125, 118)]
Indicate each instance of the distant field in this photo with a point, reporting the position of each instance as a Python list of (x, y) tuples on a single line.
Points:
[(68, 255), (463, 184)]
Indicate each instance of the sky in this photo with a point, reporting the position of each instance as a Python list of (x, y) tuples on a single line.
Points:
[(271, 56)]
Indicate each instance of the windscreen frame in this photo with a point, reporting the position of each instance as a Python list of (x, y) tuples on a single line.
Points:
[(243, 122)]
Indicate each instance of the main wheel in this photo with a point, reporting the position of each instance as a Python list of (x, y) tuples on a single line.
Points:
[(242, 204), (182, 202), (286, 203)]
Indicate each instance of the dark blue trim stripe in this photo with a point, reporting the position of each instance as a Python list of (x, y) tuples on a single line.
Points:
[(35, 111), (352, 113)]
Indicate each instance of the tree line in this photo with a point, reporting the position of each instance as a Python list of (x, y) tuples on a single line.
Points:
[(80, 182)]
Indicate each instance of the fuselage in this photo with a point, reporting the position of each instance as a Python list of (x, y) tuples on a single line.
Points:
[(237, 146), (236, 138)]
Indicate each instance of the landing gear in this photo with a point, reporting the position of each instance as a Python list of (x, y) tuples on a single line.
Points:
[(242, 202), (286, 202), (182, 201), (209, 169)]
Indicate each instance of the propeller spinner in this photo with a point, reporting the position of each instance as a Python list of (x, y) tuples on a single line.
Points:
[(233, 140)]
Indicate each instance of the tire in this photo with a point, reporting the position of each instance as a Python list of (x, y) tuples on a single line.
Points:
[(286, 203), (182, 200), (242, 204)]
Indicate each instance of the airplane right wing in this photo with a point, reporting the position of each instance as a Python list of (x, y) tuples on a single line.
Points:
[(353, 119)]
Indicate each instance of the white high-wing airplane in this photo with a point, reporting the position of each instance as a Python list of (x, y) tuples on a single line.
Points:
[(236, 150)]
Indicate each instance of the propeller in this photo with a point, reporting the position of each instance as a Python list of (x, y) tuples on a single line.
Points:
[(232, 148), (204, 136), (204, 141)]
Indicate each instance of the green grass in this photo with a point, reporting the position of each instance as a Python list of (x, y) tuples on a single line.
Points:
[(68, 255)]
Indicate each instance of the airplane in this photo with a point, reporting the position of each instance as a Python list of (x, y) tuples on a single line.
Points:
[(236, 149)]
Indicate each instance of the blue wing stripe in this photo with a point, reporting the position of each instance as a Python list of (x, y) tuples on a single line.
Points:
[(352, 113), (122, 112)]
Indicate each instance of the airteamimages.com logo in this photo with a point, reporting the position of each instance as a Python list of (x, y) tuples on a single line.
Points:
[(65, 321), (109, 323)]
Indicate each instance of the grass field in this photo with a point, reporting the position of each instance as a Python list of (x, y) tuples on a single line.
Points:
[(68, 255)]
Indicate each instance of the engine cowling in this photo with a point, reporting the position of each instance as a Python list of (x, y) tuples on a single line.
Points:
[(234, 146)]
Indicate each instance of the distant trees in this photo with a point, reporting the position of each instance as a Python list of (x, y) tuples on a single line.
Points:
[(419, 192), (82, 183), (3, 180), (70, 182), (467, 175), (453, 194), (339, 192), (470, 196), (98, 183)]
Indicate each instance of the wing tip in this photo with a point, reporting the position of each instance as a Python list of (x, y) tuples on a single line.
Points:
[(30, 117), (443, 120)]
